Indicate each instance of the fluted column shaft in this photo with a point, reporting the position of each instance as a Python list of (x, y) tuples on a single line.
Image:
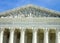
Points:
[(34, 40), (58, 36), (46, 39), (22, 38), (11, 40), (1, 35)]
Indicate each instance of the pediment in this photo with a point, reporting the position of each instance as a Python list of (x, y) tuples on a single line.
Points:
[(31, 10)]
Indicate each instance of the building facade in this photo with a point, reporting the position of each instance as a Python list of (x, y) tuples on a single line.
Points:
[(30, 24)]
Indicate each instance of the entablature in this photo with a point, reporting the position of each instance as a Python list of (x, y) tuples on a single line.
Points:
[(30, 21)]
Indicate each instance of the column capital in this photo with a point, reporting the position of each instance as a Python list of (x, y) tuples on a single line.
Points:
[(35, 29), (2, 29), (23, 29), (12, 29), (57, 30), (46, 30)]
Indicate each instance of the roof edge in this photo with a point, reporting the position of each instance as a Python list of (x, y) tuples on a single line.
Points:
[(31, 5)]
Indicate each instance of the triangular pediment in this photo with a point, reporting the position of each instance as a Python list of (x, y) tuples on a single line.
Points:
[(31, 10)]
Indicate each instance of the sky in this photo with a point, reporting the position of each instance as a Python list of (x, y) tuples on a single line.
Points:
[(10, 4)]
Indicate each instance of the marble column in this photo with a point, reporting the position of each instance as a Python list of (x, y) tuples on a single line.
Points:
[(58, 36), (46, 38), (34, 40), (11, 40), (22, 38), (1, 35)]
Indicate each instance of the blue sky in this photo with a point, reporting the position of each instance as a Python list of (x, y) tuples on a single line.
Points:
[(10, 4)]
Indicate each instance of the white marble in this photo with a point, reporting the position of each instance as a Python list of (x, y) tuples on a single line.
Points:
[(34, 40), (58, 37), (22, 38), (46, 38), (1, 36), (11, 39)]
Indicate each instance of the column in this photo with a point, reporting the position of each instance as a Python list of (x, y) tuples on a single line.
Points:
[(58, 36), (46, 39), (22, 38), (34, 40), (1, 35), (11, 40)]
